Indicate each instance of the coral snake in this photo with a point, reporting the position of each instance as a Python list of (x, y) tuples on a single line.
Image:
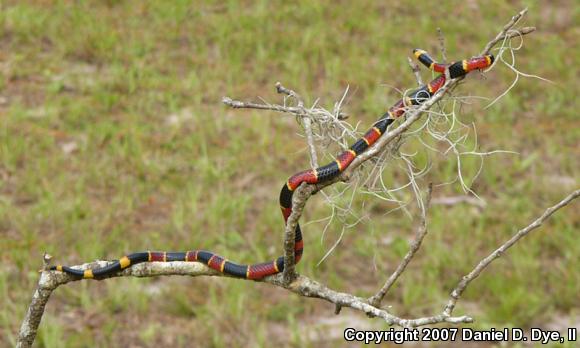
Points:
[(311, 176)]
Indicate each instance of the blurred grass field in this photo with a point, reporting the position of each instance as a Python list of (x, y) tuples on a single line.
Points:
[(113, 139)]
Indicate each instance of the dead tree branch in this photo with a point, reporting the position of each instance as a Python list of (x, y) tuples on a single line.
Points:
[(236, 104), (303, 286)]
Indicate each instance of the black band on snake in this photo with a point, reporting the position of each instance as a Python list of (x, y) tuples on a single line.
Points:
[(311, 176)]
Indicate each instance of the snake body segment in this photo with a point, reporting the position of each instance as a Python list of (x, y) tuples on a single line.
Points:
[(310, 176)]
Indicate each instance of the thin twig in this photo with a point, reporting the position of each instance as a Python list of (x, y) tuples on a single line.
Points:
[(236, 104), (509, 35), (416, 71), (306, 121), (441, 39), (283, 90), (413, 248), (505, 32), (456, 293)]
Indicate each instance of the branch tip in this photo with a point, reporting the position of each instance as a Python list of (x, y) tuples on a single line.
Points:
[(46, 258)]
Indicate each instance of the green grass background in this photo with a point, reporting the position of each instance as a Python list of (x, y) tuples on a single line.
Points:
[(107, 76)]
